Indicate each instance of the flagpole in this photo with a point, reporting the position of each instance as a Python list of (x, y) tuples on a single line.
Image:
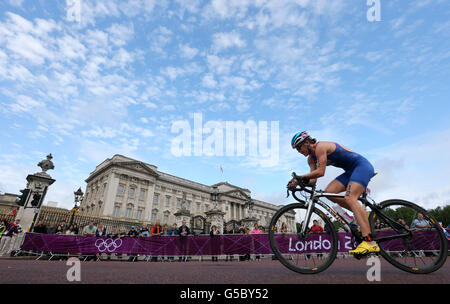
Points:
[(221, 174)]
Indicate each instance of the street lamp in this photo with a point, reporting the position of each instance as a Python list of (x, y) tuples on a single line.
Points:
[(78, 198)]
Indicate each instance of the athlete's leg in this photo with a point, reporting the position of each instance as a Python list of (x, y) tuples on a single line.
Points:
[(337, 186), (354, 190)]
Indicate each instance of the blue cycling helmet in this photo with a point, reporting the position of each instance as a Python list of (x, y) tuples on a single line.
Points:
[(299, 138)]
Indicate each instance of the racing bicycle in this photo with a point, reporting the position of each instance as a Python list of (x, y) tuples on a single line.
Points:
[(300, 249)]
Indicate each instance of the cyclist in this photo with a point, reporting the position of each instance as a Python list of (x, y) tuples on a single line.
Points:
[(358, 172)]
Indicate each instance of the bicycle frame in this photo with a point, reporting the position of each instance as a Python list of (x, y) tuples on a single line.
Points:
[(314, 199)]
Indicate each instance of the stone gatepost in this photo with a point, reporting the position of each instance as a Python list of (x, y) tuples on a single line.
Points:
[(215, 217), (249, 222), (183, 215), (38, 183)]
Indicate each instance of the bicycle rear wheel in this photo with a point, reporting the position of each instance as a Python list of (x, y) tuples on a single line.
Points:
[(419, 250), (310, 254)]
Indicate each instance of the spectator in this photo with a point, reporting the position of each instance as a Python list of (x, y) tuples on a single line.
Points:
[(64, 226), (121, 235), (112, 235), (51, 229), (283, 228), (402, 221), (166, 229), (420, 222), (101, 230), (157, 230), (173, 231), (40, 228), (256, 230), (228, 230), (183, 231), (144, 231), (244, 257), (214, 231), (75, 229), (90, 229), (12, 230), (380, 225), (133, 233), (59, 230), (70, 231), (316, 228)]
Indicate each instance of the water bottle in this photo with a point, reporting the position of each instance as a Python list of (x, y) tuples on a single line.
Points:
[(341, 212)]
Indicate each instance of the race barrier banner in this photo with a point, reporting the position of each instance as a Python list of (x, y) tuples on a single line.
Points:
[(205, 244)]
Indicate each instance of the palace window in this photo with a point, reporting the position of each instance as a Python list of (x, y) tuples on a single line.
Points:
[(131, 193), (120, 190), (167, 201), (116, 211), (139, 214), (142, 195), (156, 199), (128, 212)]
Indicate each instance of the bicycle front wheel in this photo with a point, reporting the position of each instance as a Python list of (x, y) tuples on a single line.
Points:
[(415, 250), (308, 254)]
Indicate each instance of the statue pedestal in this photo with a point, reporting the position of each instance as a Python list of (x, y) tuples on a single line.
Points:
[(37, 183), (215, 217), (183, 215), (249, 222)]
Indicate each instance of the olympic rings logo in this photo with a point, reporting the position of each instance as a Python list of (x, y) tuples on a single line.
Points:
[(109, 245)]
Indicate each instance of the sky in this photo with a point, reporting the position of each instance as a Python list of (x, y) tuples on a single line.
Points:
[(85, 80)]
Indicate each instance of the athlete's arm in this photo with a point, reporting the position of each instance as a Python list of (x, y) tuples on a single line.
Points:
[(321, 154), (312, 166)]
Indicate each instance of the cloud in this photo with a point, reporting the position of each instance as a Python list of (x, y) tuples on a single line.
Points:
[(219, 65), (120, 34), (411, 171), (208, 81), (223, 41), (187, 51)]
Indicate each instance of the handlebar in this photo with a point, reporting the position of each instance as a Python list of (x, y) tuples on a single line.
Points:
[(303, 187)]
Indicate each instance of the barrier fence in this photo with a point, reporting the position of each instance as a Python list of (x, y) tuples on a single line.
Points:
[(204, 244)]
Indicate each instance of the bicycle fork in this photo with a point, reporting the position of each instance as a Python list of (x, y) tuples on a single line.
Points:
[(304, 228)]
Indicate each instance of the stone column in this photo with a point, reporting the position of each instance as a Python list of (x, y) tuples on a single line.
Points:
[(215, 217), (249, 222), (37, 183), (182, 215)]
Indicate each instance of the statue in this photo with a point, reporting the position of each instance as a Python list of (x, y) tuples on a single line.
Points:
[(249, 208), (46, 164), (183, 202)]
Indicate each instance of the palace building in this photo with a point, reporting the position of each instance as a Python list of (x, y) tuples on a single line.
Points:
[(125, 188)]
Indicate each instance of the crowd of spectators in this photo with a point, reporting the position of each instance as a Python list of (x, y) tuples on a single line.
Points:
[(8, 232)]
